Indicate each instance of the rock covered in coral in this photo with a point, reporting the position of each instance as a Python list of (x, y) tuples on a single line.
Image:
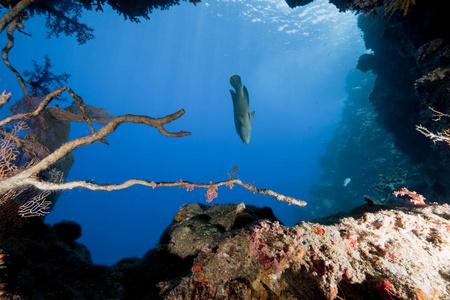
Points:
[(383, 253), (401, 253), (194, 227), (434, 54), (433, 87)]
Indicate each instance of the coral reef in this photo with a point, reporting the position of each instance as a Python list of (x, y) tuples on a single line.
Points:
[(239, 252), (410, 58), (356, 258), (364, 151)]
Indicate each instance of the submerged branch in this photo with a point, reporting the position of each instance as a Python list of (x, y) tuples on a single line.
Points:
[(50, 186), (13, 13), (29, 176), (16, 23), (21, 179), (4, 98)]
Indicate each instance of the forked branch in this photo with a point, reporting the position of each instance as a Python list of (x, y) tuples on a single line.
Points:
[(28, 177), (24, 178)]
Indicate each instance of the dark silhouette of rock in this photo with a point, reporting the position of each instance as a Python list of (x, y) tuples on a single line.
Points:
[(67, 231), (35, 263)]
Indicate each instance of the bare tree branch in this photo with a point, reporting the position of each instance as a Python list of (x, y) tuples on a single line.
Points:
[(50, 186), (4, 98), (15, 23), (31, 175), (13, 13), (28, 177), (20, 179)]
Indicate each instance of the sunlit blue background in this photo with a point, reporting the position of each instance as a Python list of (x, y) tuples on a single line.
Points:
[(293, 62)]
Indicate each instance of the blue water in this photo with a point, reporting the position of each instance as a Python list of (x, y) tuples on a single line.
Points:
[(293, 62)]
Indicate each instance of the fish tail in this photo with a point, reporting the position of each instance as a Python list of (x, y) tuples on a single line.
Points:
[(235, 81)]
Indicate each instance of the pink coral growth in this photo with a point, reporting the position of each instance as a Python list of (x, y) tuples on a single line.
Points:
[(386, 290), (230, 185), (189, 187), (211, 194), (416, 199)]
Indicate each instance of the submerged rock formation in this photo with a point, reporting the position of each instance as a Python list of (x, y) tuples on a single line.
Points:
[(236, 252), (365, 153), (377, 144)]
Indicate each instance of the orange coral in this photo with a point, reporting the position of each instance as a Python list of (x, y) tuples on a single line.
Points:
[(318, 230), (400, 4), (446, 133)]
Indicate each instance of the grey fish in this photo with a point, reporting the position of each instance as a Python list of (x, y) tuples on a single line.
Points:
[(242, 115)]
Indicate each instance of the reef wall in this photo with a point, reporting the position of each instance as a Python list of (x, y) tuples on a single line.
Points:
[(377, 145), (361, 160)]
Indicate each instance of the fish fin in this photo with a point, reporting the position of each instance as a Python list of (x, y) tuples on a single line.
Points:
[(251, 115), (246, 93), (235, 81), (233, 95)]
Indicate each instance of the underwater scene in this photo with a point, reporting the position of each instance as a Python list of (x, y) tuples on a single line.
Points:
[(183, 59), (224, 149)]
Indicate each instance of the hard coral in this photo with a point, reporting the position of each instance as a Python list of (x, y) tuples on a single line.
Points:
[(397, 254)]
